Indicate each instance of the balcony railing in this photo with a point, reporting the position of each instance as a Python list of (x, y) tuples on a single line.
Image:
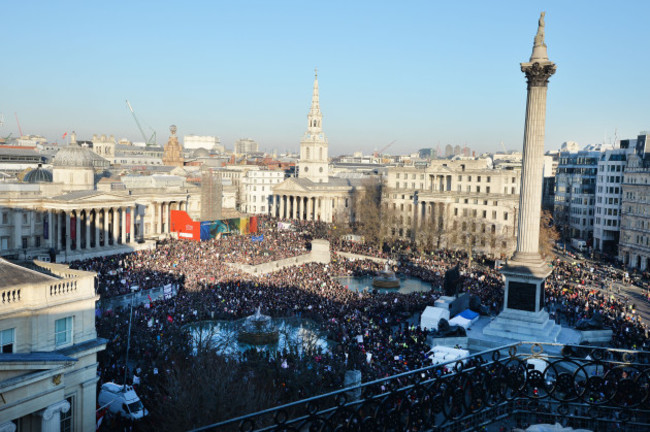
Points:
[(587, 387)]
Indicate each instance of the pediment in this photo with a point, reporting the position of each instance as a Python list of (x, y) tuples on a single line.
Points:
[(289, 185), (91, 197), (104, 197)]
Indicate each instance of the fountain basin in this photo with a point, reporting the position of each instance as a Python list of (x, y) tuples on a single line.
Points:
[(386, 279)]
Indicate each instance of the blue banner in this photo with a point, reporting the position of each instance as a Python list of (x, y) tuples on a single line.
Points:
[(257, 238)]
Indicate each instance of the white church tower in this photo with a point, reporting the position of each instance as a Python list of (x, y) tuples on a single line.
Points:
[(313, 163)]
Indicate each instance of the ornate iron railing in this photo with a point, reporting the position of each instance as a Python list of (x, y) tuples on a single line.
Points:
[(523, 383)]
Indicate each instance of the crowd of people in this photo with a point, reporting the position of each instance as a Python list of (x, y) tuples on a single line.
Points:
[(375, 333)]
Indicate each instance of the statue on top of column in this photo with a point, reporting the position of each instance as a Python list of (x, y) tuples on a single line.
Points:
[(539, 37)]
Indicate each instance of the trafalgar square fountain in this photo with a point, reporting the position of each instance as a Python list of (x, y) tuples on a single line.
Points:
[(260, 332)]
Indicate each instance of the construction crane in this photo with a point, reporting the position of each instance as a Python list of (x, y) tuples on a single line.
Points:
[(381, 152), (19, 128), (152, 140)]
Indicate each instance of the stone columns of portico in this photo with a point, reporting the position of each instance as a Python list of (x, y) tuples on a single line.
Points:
[(163, 210), (132, 238), (283, 207), (50, 229), (168, 212), (87, 214), (98, 226), (310, 208), (123, 217), (51, 416), (68, 238), (77, 230), (116, 225), (299, 207)]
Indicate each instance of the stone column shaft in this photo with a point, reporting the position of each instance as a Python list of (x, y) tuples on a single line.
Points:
[(530, 194), (67, 232), (87, 213), (122, 230), (77, 230)]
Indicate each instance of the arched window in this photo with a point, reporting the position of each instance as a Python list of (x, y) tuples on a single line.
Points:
[(320, 153), (307, 153)]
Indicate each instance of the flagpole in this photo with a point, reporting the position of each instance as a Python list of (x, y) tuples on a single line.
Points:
[(128, 342)]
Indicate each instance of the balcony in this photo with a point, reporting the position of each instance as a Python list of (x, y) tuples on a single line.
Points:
[(577, 386)]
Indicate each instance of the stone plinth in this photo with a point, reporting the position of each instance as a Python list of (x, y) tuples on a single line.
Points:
[(320, 251), (524, 326)]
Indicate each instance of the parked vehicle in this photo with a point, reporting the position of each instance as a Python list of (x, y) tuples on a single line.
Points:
[(579, 244), (121, 400)]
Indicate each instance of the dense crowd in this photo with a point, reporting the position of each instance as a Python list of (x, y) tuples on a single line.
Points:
[(372, 332)]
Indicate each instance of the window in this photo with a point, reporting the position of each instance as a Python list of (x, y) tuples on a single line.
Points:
[(24, 241), (5, 218), (63, 331), (67, 418), (7, 339)]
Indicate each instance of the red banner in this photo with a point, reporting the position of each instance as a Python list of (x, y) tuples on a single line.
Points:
[(183, 224), (128, 221)]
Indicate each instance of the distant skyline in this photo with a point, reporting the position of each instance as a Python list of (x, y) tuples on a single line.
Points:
[(422, 73)]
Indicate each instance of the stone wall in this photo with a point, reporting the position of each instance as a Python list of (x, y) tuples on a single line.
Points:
[(353, 257), (320, 252)]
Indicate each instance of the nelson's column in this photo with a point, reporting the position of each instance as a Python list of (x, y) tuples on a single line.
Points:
[(523, 316)]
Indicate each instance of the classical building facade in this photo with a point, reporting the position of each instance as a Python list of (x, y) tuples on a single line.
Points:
[(48, 365), (455, 198), (314, 194), (66, 215), (257, 186), (634, 242)]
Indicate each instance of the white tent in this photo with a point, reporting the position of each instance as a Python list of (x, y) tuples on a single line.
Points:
[(431, 316), (442, 354), (464, 319)]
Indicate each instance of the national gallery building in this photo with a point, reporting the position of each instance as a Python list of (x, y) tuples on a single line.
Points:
[(78, 209)]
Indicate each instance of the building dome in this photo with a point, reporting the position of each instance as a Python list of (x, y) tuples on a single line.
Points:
[(201, 152), (38, 175), (74, 156)]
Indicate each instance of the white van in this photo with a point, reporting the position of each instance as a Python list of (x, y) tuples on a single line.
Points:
[(121, 400)]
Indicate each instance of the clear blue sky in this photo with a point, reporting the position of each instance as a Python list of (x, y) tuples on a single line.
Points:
[(422, 73)]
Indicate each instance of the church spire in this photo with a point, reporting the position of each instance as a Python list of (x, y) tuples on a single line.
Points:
[(315, 117)]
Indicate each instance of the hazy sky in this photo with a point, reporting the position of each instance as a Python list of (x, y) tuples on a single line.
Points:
[(423, 73)]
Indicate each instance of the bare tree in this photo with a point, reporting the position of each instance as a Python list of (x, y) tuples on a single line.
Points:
[(548, 234)]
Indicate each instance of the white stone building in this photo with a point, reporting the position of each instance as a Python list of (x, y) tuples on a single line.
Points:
[(126, 154), (456, 198), (609, 192), (634, 241), (210, 143), (257, 186), (48, 365)]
